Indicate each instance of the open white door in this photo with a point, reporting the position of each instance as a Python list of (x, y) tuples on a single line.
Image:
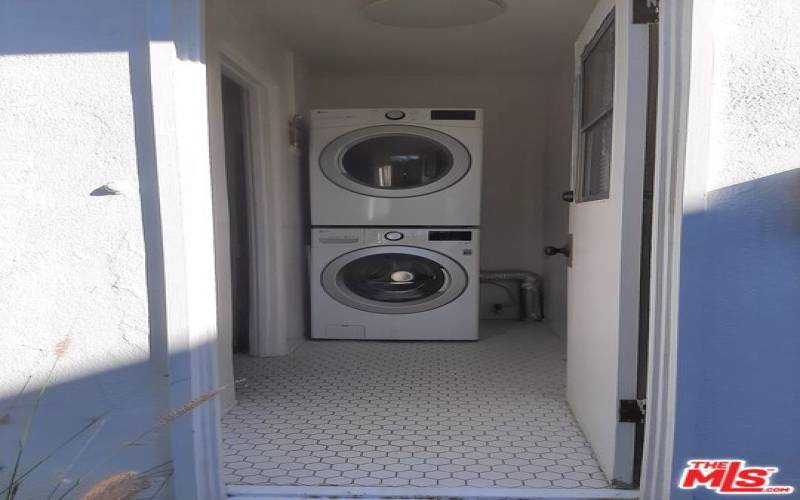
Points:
[(605, 222)]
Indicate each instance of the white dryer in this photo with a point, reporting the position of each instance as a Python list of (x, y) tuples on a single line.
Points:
[(396, 167), (394, 283)]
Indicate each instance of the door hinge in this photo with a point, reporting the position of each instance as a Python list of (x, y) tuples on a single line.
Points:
[(645, 11), (632, 410)]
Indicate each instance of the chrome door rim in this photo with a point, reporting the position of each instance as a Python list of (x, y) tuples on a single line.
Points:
[(456, 281), (330, 160)]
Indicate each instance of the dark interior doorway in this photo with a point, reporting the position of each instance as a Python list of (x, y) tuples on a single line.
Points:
[(234, 112), (647, 242)]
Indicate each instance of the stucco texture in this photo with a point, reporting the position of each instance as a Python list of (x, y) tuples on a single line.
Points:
[(72, 254), (740, 253), (756, 104)]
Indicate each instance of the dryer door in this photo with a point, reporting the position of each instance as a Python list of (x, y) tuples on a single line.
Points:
[(394, 279), (395, 161)]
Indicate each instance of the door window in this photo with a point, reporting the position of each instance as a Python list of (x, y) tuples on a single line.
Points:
[(397, 161), (596, 114), (393, 277)]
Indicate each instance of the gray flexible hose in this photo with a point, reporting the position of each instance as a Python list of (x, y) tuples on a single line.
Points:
[(530, 290)]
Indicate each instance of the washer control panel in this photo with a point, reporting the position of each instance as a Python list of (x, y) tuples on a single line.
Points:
[(337, 236), (359, 236), (394, 236), (450, 235), (420, 236)]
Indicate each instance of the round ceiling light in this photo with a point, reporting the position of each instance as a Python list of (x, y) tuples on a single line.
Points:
[(432, 13)]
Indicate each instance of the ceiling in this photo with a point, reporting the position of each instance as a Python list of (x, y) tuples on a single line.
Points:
[(334, 37)]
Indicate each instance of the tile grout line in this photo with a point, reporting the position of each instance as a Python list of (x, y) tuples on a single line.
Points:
[(364, 414)]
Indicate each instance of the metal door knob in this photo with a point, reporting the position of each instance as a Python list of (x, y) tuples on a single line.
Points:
[(568, 196), (550, 251)]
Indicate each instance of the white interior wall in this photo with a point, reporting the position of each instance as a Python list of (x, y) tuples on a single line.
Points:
[(558, 156), (516, 131), (235, 30)]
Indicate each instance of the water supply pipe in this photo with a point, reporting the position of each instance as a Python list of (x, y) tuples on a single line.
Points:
[(530, 291)]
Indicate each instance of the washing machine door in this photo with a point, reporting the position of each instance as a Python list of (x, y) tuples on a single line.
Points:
[(394, 279), (395, 161)]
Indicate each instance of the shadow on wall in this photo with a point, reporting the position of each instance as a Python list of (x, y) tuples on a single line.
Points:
[(739, 344), (75, 430), (61, 439), (62, 27)]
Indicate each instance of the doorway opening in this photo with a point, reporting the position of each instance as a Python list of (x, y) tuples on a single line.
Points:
[(491, 414), (645, 265), (237, 165)]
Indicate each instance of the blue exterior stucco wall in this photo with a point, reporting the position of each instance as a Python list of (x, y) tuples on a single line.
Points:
[(739, 327)]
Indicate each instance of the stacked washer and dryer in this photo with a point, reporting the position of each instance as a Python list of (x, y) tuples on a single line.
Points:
[(395, 209)]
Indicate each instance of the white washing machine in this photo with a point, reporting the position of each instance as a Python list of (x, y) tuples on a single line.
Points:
[(396, 167), (394, 283)]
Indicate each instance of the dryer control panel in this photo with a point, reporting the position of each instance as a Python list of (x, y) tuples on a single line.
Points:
[(453, 117)]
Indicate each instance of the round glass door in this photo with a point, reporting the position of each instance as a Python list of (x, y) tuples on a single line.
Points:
[(395, 161), (393, 277), (394, 280)]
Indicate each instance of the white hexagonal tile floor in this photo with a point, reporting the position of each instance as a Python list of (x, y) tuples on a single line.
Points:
[(487, 413)]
